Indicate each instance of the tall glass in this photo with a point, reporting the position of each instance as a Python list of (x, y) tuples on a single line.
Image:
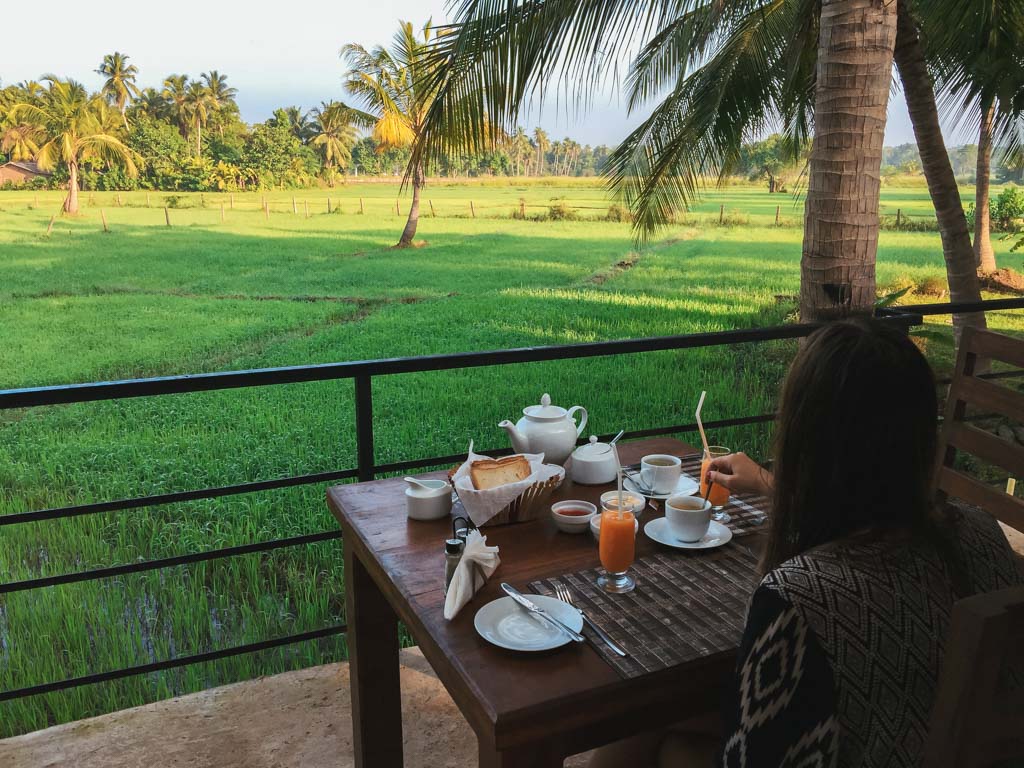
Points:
[(617, 548), (719, 495)]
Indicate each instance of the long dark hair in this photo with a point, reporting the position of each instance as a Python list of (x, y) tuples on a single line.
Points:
[(855, 441)]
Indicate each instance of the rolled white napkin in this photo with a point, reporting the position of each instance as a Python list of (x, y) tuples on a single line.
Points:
[(477, 558)]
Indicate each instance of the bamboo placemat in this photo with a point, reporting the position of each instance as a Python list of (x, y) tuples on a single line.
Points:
[(685, 606)]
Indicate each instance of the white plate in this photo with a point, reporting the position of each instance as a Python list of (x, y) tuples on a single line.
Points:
[(716, 536), (508, 625), (685, 487)]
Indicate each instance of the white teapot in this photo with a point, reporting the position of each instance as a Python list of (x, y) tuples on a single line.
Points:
[(546, 429)]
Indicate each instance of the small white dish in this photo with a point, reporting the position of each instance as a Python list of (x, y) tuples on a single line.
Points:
[(595, 527), (572, 523), (716, 536), (639, 502), (685, 487), (507, 624), (428, 499)]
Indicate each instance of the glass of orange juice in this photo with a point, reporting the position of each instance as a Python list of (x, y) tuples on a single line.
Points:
[(617, 548), (719, 495)]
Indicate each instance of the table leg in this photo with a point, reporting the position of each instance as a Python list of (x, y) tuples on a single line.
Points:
[(535, 756), (373, 667)]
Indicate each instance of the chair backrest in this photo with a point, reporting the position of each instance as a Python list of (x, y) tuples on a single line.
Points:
[(988, 396), (978, 719)]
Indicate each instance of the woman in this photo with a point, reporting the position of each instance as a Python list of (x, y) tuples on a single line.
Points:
[(845, 634)]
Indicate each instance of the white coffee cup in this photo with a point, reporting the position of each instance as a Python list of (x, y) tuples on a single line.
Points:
[(659, 472), (688, 517)]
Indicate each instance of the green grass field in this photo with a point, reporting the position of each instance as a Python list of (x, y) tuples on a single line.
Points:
[(205, 295)]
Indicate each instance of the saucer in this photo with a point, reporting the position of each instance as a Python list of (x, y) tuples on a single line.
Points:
[(507, 624), (716, 536), (685, 487)]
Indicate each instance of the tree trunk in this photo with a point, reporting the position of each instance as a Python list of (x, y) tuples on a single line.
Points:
[(199, 139), (414, 210), (984, 256), (854, 71), (71, 202), (961, 271)]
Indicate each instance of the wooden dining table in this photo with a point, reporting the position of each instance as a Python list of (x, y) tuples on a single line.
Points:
[(527, 710)]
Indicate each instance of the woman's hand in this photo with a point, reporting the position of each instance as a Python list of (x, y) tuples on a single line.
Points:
[(740, 474)]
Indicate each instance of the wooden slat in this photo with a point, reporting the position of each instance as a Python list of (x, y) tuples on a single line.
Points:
[(988, 396), (985, 445), (995, 346), (1001, 506)]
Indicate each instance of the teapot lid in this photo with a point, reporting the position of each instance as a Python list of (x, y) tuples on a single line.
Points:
[(545, 410), (593, 451)]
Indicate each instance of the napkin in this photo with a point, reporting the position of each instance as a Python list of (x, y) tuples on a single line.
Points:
[(476, 566), (481, 506)]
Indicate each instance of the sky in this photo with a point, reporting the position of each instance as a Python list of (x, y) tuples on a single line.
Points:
[(278, 58)]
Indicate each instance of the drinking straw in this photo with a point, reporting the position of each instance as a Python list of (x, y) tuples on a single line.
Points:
[(618, 476), (700, 425)]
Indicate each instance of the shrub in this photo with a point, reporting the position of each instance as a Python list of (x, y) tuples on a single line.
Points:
[(1008, 208), (562, 212), (932, 286), (175, 201), (618, 212)]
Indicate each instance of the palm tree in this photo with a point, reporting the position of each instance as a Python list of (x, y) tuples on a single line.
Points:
[(388, 82), (152, 103), (520, 150), (175, 93), (119, 87), (19, 141), (71, 126), (979, 67), (197, 107), (297, 121), (335, 134), (543, 143), (221, 96)]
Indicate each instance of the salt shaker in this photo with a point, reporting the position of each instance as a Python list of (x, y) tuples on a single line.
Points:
[(452, 556)]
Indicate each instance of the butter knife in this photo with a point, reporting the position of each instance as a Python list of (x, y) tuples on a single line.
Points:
[(536, 610)]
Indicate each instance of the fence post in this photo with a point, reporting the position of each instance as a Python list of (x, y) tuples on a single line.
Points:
[(899, 216), (266, 209), (432, 214), (472, 210), (305, 205), (222, 212), (147, 201), (360, 205), (328, 205), (777, 209), (364, 427), (295, 209), (167, 216), (103, 218), (118, 199), (721, 213), (522, 209)]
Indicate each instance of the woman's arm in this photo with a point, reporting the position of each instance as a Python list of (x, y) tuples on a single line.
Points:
[(741, 474)]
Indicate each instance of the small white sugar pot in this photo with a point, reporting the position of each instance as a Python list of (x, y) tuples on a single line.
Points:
[(427, 499), (594, 463)]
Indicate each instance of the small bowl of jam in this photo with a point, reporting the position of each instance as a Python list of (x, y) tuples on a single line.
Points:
[(572, 516)]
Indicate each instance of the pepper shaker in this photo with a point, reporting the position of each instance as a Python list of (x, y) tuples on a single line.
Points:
[(452, 556)]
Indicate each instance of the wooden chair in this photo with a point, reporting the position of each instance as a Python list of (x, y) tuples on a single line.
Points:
[(986, 396), (978, 720)]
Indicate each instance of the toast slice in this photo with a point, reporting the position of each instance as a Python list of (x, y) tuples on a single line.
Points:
[(492, 473)]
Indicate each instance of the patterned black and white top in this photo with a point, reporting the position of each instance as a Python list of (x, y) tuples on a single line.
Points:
[(840, 657)]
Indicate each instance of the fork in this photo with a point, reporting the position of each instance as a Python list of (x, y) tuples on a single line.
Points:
[(565, 596)]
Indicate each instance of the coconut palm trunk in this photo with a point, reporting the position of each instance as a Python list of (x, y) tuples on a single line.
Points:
[(414, 209), (984, 256), (71, 202), (961, 270), (855, 50)]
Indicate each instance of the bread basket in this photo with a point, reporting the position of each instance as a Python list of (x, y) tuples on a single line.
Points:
[(525, 507)]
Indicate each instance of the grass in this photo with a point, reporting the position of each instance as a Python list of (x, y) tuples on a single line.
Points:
[(146, 299)]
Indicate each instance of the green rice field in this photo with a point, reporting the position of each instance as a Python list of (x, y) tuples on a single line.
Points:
[(233, 284)]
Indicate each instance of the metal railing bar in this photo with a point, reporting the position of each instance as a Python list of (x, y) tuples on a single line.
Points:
[(168, 562), (176, 496), (181, 661), (961, 308), (204, 382)]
